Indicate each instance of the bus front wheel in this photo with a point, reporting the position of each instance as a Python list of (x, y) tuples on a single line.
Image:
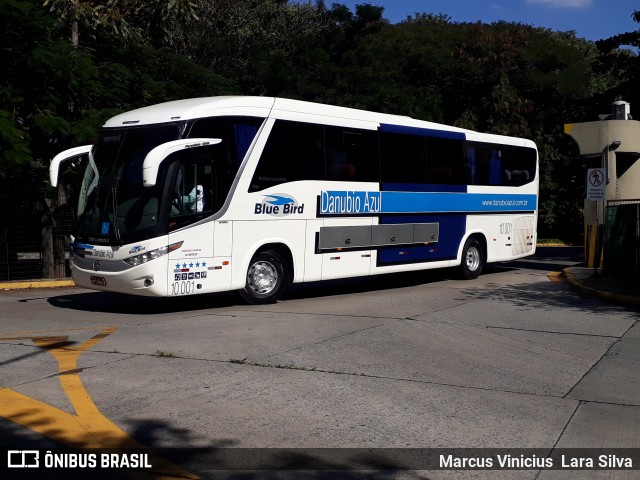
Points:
[(266, 280), (472, 259)]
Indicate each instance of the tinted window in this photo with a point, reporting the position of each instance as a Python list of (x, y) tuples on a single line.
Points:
[(294, 151), (445, 161), (352, 154), (112, 186), (403, 158), (236, 133), (500, 165), (305, 151)]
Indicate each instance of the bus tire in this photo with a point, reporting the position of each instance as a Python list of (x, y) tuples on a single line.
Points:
[(267, 278), (472, 259)]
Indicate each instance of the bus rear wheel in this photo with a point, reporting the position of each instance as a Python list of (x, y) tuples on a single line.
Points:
[(472, 259), (267, 278)]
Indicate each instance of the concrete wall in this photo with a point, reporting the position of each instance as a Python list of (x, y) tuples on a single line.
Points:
[(593, 139)]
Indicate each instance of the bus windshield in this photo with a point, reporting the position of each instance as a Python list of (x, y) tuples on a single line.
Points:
[(113, 206)]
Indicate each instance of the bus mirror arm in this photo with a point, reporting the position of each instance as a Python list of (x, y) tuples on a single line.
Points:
[(54, 166), (156, 156)]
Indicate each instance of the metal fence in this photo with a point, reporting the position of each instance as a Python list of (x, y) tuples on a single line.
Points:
[(34, 238), (622, 240)]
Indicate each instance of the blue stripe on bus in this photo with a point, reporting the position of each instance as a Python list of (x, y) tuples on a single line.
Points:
[(81, 245), (416, 202), (422, 132), (350, 203), (451, 231)]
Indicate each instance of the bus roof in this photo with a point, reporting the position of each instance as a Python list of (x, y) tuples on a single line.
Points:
[(283, 108), (250, 105), (193, 108)]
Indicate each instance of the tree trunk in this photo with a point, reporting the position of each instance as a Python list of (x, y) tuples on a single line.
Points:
[(59, 238), (75, 35), (48, 264)]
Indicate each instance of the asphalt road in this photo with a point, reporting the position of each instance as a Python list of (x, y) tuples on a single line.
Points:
[(514, 359)]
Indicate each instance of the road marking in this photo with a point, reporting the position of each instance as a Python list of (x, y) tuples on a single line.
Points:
[(557, 277), (88, 427), (30, 334)]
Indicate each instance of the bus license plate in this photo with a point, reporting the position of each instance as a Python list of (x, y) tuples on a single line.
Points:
[(101, 281)]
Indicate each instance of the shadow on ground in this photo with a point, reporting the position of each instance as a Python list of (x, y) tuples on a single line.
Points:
[(545, 260), (220, 459)]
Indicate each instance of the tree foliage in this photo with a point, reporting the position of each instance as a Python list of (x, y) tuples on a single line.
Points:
[(130, 19), (506, 78)]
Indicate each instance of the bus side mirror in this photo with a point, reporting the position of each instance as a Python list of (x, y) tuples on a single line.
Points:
[(54, 166), (156, 156)]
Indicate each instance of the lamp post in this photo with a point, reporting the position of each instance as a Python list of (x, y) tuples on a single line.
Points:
[(600, 229)]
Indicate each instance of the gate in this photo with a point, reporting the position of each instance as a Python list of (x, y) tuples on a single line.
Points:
[(622, 240), (34, 239)]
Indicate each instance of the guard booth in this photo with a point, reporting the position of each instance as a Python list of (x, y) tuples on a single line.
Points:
[(611, 149)]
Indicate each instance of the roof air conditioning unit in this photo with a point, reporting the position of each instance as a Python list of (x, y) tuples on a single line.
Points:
[(621, 110)]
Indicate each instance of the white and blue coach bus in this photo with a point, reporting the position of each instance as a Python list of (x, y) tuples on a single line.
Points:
[(255, 193)]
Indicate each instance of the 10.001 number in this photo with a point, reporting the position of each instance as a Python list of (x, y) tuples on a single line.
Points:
[(506, 228), (183, 288)]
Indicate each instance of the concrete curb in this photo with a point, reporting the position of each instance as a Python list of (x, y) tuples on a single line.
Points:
[(36, 284), (579, 285)]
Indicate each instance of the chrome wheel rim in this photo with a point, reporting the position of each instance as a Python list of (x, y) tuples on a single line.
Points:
[(262, 277), (473, 259)]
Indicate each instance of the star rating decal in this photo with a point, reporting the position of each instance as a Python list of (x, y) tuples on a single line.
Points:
[(190, 265)]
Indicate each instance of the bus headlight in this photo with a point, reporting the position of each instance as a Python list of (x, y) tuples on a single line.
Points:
[(152, 255)]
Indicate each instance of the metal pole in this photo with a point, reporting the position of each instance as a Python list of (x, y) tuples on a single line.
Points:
[(637, 238), (596, 259), (600, 231)]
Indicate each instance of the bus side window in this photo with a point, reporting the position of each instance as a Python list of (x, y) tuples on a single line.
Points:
[(236, 134), (294, 151), (193, 191), (445, 161), (403, 158), (484, 165), (519, 164), (489, 164), (352, 154)]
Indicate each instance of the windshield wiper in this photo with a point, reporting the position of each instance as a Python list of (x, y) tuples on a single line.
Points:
[(116, 227)]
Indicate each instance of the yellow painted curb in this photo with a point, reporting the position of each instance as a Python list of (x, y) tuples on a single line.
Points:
[(36, 284), (616, 297)]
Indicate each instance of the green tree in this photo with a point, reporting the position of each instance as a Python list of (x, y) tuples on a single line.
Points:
[(70, 64), (54, 95), (141, 20)]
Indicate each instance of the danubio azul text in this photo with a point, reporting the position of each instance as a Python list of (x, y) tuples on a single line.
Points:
[(374, 203), (350, 202)]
